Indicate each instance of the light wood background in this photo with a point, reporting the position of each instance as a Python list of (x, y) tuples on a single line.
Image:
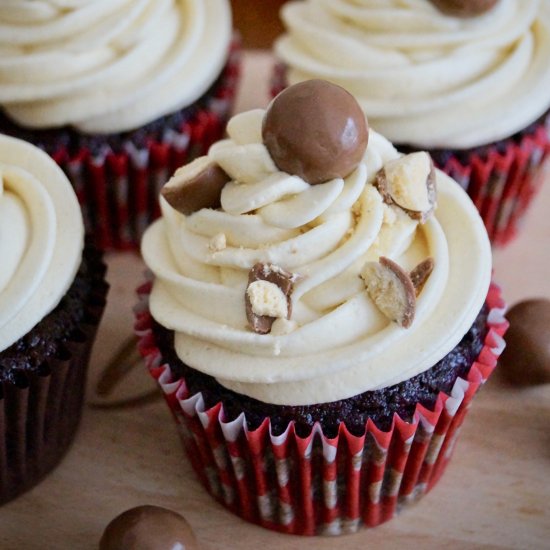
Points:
[(495, 493)]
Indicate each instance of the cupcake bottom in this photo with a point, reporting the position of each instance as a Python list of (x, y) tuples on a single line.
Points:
[(298, 480), (43, 378), (118, 177)]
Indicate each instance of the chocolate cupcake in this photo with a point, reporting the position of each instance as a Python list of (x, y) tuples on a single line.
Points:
[(52, 295), (119, 96), (318, 338), (467, 81)]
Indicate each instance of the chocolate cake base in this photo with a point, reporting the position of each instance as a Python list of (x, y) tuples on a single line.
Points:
[(42, 382), (379, 405)]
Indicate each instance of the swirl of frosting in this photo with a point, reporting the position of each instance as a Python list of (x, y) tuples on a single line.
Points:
[(337, 343), (423, 77), (41, 237), (107, 66)]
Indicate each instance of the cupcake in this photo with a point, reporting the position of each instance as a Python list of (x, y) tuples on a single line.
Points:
[(119, 96), (467, 81), (52, 294), (320, 316)]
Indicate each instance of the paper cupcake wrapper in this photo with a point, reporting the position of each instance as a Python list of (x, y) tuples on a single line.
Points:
[(39, 414), (502, 183), (318, 485), (118, 191)]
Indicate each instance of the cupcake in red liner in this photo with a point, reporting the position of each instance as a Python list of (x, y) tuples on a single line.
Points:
[(419, 75), (52, 296), (320, 315), (119, 98), (352, 480)]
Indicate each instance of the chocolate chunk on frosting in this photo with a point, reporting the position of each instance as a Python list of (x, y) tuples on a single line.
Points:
[(409, 183), (267, 296), (391, 289), (464, 8), (148, 528), (315, 130), (419, 275), (195, 186)]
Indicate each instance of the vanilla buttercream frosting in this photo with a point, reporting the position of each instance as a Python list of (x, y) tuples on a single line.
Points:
[(337, 343), (425, 78), (106, 66), (41, 237)]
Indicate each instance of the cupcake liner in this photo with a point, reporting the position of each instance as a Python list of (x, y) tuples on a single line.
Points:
[(118, 190), (504, 180), (316, 484), (41, 410), (501, 178)]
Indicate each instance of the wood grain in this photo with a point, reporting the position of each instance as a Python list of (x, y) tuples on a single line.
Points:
[(494, 494)]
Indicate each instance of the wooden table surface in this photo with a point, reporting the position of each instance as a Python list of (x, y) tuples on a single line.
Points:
[(494, 494)]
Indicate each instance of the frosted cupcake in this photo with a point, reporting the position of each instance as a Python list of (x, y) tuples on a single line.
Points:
[(52, 295), (323, 300), (468, 81), (119, 94)]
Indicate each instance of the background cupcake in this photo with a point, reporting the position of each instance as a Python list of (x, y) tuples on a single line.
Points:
[(285, 306), (119, 95), (52, 295), (469, 84)]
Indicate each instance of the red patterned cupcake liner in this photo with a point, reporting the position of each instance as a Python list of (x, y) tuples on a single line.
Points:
[(316, 484), (501, 182), (40, 411), (118, 191)]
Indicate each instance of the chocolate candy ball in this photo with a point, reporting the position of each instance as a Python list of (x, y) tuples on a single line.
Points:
[(464, 8), (315, 130), (526, 359), (148, 528)]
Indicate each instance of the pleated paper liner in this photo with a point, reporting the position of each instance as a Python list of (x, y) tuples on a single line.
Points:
[(40, 412), (502, 181), (318, 485)]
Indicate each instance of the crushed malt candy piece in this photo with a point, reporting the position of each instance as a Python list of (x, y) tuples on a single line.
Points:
[(391, 289), (267, 296), (409, 183), (195, 186), (419, 275)]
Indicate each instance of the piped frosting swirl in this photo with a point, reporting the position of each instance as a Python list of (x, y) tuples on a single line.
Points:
[(337, 343), (107, 66), (423, 77), (41, 237)]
